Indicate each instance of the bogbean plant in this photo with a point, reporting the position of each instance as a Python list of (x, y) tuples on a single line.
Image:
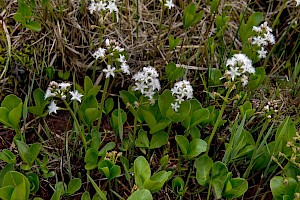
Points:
[(163, 116)]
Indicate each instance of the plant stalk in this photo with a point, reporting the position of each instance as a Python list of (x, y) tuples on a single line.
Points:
[(218, 120)]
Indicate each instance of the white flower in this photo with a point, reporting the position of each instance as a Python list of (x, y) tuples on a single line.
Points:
[(92, 7), (52, 108), (262, 53), (147, 81), (239, 65), (256, 29), (119, 49), (109, 71), (180, 91), (233, 72), (270, 37), (175, 106), (260, 41), (263, 38), (140, 86), (49, 94), (64, 85), (100, 53), (107, 42), (122, 59), (76, 95), (169, 4), (125, 68), (100, 6), (244, 80), (112, 7), (297, 2)]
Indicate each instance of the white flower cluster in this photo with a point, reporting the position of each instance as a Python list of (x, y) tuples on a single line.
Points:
[(147, 81), (112, 48), (263, 38), (169, 4), (239, 67), (181, 90), (101, 5), (59, 90)]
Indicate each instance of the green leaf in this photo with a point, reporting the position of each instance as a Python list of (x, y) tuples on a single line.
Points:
[(159, 139), (88, 84), (164, 161), (257, 78), (23, 150), (183, 143), (142, 171), (19, 18), (199, 116), (217, 186), (40, 102), (7, 156), (88, 102), (246, 109), (109, 105), (14, 116), (188, 15), (219, 173), (117, 120), (156, 182), (173, 43), (50, 71), (24, 9), (160, 125), (86, 196), (74, 185), (34, 182), (6, 192), (91, 115), (178, 185), (255, 19), (34, 26), (203, 166), (96, 138), (109, 146), (101, 194), (34, 151), (104, 167), (235, 188), (4, 117), (115, 171), (164, 103), (196, 147), (142, 140), (214, 6), (281, 187), (19, 182), (173, 73), (214, 77), (149, 118), (7, 168), (129, 99), (141, 194), (11, 101), (56, 195), (91, 159), (183, 112)]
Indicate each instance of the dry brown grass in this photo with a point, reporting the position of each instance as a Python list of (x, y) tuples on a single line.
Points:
[(70, 34)]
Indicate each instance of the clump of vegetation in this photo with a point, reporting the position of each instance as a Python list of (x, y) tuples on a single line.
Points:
[(106, 99)]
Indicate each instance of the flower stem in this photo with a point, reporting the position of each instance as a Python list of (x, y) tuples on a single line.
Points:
[(81, 133), (218, 120), (102, 102)]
